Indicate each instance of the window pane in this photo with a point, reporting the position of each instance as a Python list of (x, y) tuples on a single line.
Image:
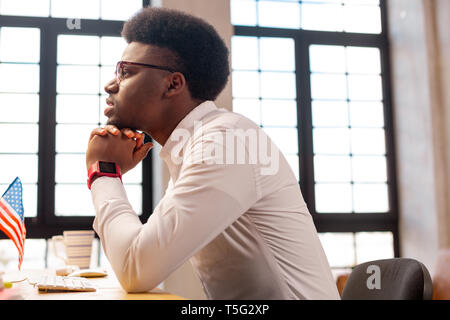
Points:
[(38, 8), (103, 106), (248, 108), (27, 49), (286, 139), (72, 49), (133, 176), (279, 14), (243, 12), (339, 248), (369, 169), (19, 107), (363, 19), (77, 79), (245, 84), (331, 141), (21, 78), (279, 113), (33, 257), (29, 197), (327, 59), (372, 246), (278, 85), (363, 60), (329, 113), (324, 17), (85, 9), (332, 169), (23, 166), (34, 254), (277, 54), (106, 74), (72, 138), (27, 134), (134, 195), (70, 168), (77, 109), (111, 49), (328, 86), (118, 9), (362, 2), (73, 200), (30, 200), (370, 197), (324, 1), (368, 141), (244, 53), (364, 87), (366, 114), (333, 197)]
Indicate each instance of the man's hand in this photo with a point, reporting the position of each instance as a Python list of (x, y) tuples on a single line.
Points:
[(124, 147)]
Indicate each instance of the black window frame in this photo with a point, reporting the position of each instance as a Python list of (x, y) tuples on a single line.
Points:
[(338, 222), (46, 224)]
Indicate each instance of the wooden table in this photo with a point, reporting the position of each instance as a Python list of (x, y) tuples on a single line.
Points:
[(108, 288)]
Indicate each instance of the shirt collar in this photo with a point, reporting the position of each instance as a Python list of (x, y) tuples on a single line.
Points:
[(187, 123)]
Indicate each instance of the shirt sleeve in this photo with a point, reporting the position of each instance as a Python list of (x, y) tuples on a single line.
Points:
[(204, 201)]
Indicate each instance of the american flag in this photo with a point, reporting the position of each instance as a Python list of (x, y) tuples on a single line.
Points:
[(11, 216)]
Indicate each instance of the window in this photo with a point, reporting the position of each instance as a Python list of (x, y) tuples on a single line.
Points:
[(314, 74), (55, 57), (19, 111)]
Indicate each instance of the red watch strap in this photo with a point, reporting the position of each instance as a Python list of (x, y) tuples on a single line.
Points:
[(94, 171)]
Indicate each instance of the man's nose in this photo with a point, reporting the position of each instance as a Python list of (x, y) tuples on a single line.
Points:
[(112, 86)]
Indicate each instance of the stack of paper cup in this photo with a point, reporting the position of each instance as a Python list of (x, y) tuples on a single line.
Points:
[(78, 245)]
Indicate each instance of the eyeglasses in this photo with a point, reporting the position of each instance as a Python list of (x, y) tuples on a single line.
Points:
[(120, 64)]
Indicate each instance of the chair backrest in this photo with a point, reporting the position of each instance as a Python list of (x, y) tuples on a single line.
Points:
[(389, 279)]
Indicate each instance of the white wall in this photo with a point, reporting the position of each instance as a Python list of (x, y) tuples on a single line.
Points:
[(421, 112)]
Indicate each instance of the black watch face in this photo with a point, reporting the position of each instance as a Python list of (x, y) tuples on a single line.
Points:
[(107, 167)]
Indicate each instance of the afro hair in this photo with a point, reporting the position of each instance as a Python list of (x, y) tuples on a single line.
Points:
[(201, 54)]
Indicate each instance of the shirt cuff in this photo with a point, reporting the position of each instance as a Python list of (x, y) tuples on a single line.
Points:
[(107, 188)]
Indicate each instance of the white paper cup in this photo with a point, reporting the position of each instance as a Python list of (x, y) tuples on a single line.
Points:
[(78, 247)]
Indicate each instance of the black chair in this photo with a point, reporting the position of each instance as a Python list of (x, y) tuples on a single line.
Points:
[(389, 279)]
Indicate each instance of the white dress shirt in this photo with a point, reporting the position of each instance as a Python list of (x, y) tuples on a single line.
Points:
[(244, 225)]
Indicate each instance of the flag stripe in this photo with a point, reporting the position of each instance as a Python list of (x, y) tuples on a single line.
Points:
[(11, 216), (11, 229), (12, 213), (12, 233), (8, 219), (6, 229)]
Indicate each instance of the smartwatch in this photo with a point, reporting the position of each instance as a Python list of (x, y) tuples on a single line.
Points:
[(103, 169)]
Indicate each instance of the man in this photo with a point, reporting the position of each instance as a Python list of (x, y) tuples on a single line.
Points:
[(243, 224)]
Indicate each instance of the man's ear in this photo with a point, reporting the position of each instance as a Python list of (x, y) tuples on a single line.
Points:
[(176, 83)]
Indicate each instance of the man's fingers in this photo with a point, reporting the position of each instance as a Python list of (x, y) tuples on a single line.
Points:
[(112, 129), (139, 137), (129, 133), (97, 132), (103, 131), (139, 140), (142, 152)]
